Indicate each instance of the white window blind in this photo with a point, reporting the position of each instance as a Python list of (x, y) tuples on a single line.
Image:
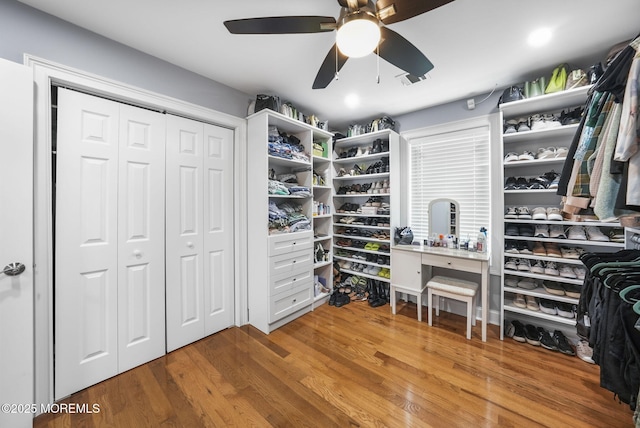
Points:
[(454, 165)]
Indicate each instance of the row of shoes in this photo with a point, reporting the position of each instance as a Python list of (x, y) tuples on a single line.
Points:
[(542, 153), (365, 221), (551, 307), (546, 268), (550, 249), (364, 233), (548, 180), (378, 167), (557, 231), (360, 189), (551, 287), (537, 213), (367, 269), (542, 121), (538, 336), (379, 146), (367, 257), (362, 245)]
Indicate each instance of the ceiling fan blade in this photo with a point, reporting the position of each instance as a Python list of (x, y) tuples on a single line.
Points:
[(282, 25), (400, 52), (399, 10), (327, 70)]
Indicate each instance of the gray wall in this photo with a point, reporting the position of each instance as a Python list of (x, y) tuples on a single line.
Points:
[(24, 30)]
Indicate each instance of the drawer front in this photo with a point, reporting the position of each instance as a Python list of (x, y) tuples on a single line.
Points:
[(287, 281), (290, 261), (284, 304), (286, 243), (449, 262)]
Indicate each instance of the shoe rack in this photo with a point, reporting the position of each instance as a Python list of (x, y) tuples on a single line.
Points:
[(365, 174), (528, 251), (281, 253)]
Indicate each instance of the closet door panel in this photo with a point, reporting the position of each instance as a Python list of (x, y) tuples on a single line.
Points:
[(218, 227), (86, 276), (141, 229), (184, 232)]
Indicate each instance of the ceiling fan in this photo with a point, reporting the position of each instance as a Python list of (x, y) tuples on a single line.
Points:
[(360, 30)]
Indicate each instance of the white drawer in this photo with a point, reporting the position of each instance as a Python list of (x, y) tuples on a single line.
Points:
[(284, 304), (290, 261), (289, 280), (449, 262), (286, 243)]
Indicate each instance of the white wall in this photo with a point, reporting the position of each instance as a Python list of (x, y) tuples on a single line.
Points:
[(25, 30)]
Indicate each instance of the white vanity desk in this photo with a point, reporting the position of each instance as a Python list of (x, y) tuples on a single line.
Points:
[(408, 275)]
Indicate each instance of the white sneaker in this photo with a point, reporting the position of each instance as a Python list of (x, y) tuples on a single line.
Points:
[(584, 351), (511, 264), (551, 269), (557, 231), (594, 234), (538, 267), (539, 213), (512, 212), (523, 213), (567, 272), (580, 272), (542, 231), (524, 265), (553, 213), (577, 233), (526, 155)]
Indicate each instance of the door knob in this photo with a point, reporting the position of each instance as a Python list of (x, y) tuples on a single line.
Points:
[(137, 253), (190, 244), (13, 269)]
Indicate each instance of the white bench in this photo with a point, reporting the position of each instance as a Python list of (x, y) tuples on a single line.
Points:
[(457, 289)]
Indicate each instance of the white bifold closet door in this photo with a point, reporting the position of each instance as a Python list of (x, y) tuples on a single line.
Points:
[(109, 235), (199, 230)]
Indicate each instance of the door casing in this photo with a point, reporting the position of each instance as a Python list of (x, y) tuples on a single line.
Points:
[(47, 74)]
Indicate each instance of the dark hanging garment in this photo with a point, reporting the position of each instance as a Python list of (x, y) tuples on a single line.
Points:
[(614, 79)]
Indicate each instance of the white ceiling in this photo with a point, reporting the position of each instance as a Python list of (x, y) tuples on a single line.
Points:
[(474, 45)]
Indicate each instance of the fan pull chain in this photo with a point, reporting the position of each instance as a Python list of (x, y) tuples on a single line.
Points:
[(378, 63), (337, 73)]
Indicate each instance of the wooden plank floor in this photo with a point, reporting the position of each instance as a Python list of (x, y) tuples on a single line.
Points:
[(353, 366)]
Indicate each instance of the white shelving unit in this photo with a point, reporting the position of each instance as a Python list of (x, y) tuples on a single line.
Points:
[(323, 220), (532, 140), (355, 220), (281, 259)]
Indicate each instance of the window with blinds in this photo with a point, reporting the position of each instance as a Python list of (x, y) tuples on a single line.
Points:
[(454, 165)]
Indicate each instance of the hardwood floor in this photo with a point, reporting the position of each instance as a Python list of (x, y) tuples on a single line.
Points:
[(353, 366)]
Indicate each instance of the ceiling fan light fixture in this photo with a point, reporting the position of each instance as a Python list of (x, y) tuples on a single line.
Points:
[(358, 34)]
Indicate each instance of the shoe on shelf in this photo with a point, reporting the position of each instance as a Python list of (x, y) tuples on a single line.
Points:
[(537, 122), (539, 213), (585, 352), (566, 271), (523, 213), (510, 184), (556, 231), (538, 249), (548, 307), (512, 212), (553, 213), (523, 124), (546, 153), (561, 152), (563, 343), (577, 233), (571, 253), (526, 230), (523, 248), (546, 341), (519, 301), (552, 249), (541, 231), (526, 155), (580, 272), (510, 246), (510, 126), (524, 265), (553, 287), (565, 310), (538, 267), (532, 303), (527, 284), (515, 330), (510, 281), (531, 334), (511, 157), (511, 264), (595, 234), (572, 290), (551, 269)]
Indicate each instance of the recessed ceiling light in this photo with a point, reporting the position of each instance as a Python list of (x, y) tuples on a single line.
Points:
[(352, 100), (539, 37)]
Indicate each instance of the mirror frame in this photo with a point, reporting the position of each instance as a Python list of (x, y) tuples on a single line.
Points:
[(456, 227)]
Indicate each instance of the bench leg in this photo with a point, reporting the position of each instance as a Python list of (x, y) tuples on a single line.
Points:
[(392, 295), (429, 304), (469, 311)]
